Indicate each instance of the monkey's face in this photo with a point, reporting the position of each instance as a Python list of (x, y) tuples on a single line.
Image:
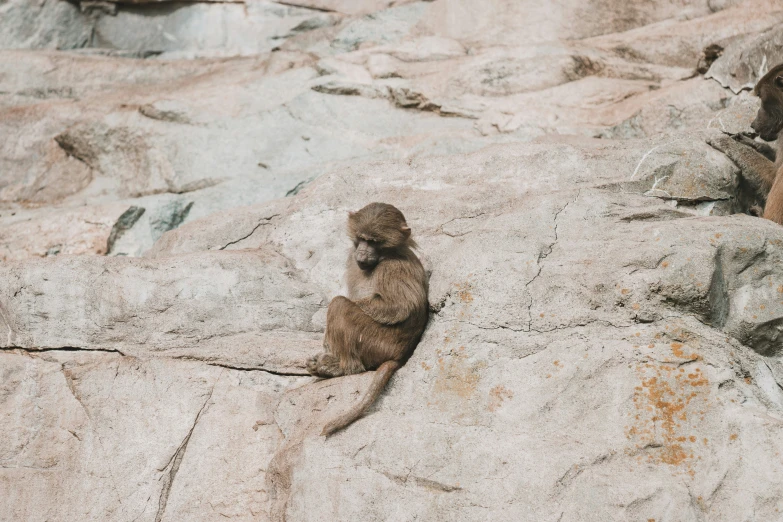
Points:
[(367, 253), (769, 120), (376, 230), (766, 124)]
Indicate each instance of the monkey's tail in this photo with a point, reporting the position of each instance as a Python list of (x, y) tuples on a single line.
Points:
[(382, 376)]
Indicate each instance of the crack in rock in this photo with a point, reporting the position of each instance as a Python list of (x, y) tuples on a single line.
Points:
[(172, 467), (297, 188), (4, 318), (543, 254), (59, 349), (264, 221), (257, 369), (293, 3), (422, 483)]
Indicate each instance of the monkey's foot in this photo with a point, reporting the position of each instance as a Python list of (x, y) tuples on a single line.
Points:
[(312, 365), (324, 365)]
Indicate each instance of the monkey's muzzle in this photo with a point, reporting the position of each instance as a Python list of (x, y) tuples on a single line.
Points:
[(366, 256)]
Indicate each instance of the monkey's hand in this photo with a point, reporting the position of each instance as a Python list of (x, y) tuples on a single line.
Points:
[(757, 169), (747, 139)]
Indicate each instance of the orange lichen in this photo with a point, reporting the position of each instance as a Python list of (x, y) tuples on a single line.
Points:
[(677, 351), (457, 377), (665, 404), (497, 395), (456, 374), (465, 296)]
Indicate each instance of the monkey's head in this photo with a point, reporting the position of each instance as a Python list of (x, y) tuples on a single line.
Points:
[(769, 120), (377, 230)]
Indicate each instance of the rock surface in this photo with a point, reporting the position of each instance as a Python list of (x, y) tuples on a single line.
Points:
[(606, 336)]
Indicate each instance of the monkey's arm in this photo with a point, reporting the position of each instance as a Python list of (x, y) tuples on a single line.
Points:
[(383, 309), (762, 148), (755, 168), (396, 295)]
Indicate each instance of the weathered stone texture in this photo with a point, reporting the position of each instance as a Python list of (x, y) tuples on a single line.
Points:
[(606, 337)]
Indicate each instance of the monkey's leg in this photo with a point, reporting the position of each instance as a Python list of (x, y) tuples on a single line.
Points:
[(344, 325), (757, 169)]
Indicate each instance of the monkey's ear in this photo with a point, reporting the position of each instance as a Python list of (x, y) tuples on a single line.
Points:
[(406, 231), (351, 214)]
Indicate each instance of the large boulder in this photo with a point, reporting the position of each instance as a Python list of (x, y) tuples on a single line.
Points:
[(592, 304), (606, 331)]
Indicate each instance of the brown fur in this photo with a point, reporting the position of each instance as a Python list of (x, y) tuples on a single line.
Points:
[(769, 123), (380, 323), (762, 164)]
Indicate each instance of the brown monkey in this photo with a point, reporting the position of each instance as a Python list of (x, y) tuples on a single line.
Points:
[(380, 323), (759, 160)]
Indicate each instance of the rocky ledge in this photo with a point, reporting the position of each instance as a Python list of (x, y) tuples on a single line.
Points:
[(606, 332)]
